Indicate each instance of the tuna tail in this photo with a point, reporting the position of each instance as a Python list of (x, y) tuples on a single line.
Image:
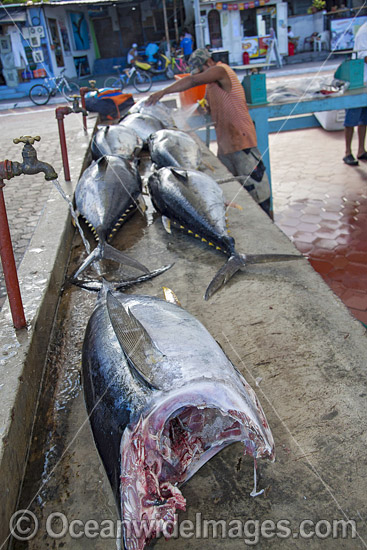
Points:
[(96, 286), (226, 272), (107, 252), (238, 261)]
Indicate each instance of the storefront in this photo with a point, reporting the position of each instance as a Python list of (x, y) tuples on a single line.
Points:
[(244, 27), (39, 42)]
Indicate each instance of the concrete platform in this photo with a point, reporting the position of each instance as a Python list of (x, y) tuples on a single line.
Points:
[(293, 340)]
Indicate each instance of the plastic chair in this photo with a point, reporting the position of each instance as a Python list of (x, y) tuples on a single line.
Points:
[(322, 38)]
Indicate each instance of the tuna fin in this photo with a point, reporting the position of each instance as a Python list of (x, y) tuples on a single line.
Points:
[(93, 256), (226, 272), (263, 258), (102, 162), (107, 252), (110, 253), (180, 174), (166, 224), (170, 296), (134, 340), (233, 205)]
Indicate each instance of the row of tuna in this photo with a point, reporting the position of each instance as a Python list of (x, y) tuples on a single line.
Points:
[(160, 406)]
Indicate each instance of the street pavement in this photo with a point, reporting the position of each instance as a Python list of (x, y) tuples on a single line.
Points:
[(26, 196)]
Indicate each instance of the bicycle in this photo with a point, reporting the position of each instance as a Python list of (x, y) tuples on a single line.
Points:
[(179, 65), (141, 81), (40, 94)]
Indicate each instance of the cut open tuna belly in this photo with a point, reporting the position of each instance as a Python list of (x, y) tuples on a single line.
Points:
[(167, 446)]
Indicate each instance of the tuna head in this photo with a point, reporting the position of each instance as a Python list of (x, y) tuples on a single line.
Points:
[(174, 403)]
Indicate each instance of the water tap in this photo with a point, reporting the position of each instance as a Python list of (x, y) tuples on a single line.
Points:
[(30, 164), (76, 106)]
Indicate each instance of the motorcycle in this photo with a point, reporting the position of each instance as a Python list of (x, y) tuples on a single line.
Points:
[(162, 66)]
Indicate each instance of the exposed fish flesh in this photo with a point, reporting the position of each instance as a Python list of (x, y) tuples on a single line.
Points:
[(159, 110), (194, 202), (160, 406), (106, 195), (174, 148), (116, 140), (144, 125)]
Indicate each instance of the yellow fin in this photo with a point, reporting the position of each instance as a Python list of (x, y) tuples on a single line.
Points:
[(170, 296)]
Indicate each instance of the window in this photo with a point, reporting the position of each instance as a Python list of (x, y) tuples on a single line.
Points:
[(215, 31)]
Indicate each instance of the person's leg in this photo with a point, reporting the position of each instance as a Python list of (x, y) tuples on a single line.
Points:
[(362, 154), (361, 140), (352, 117), (248, 163), (348, 134)]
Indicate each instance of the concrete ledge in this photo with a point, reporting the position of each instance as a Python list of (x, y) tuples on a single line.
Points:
[(23, 352)]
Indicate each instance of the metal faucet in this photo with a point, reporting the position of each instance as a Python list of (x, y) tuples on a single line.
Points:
[(76, 106), (30, 164)]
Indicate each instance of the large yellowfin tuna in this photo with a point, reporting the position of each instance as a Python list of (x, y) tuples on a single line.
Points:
[(161, 406)]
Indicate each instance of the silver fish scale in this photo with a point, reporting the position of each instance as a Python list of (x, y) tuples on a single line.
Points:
[(189, 351), (144, 125), (102, 196), (159, 110), (209, 199), (174, 148), (118, 140)]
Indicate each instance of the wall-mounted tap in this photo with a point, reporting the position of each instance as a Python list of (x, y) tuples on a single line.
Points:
[(77, 108), (30, 165)]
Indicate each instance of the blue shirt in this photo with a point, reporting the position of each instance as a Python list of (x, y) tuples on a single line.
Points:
[(186, 45)]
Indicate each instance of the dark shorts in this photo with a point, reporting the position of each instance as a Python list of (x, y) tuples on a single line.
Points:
[(355, 117)]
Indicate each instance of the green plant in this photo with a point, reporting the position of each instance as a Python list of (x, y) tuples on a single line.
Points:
[(317, 5)]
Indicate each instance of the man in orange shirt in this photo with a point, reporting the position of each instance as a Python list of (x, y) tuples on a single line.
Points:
[(236, 135)]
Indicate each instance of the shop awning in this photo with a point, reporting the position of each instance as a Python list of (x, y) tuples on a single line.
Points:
[(8, 16)]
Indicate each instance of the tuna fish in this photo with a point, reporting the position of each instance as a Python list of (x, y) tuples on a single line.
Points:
[(174, 148), (159, 110), (116, 140), (142, 124), (160, 406), (192, 201), (106, 195)]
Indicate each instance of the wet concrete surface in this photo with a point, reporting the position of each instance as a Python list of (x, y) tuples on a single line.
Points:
[(280, 325)]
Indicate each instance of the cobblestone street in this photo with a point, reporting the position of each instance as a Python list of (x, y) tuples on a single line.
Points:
[(25, 196)]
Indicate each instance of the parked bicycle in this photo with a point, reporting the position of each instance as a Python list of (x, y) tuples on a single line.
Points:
[(141, 81), (179, 65), (40, 93)]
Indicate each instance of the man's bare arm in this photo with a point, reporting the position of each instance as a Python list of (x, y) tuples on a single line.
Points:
[(214, 74)]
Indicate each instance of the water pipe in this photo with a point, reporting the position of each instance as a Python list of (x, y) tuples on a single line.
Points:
[(60, 113), (30, 165)]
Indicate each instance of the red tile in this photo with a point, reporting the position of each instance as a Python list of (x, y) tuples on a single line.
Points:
[(304, 248), (355, 300), (360, 315), (321, 267), (329, 244), (339, 262), (357, 256)]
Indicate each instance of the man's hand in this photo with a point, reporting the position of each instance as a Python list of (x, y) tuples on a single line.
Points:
[(154, 98)]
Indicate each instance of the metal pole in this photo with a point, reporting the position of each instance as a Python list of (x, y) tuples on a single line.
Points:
[(83, 91), (166, 29), (198, 25), (9, 267), (60, 113)]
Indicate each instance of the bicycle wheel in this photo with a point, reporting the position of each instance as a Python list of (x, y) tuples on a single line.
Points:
[(69, 89), (113, 82), (39, 94), (142, 81)]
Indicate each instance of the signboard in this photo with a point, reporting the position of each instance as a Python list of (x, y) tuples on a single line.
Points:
[(250, 44), (343, 32)]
